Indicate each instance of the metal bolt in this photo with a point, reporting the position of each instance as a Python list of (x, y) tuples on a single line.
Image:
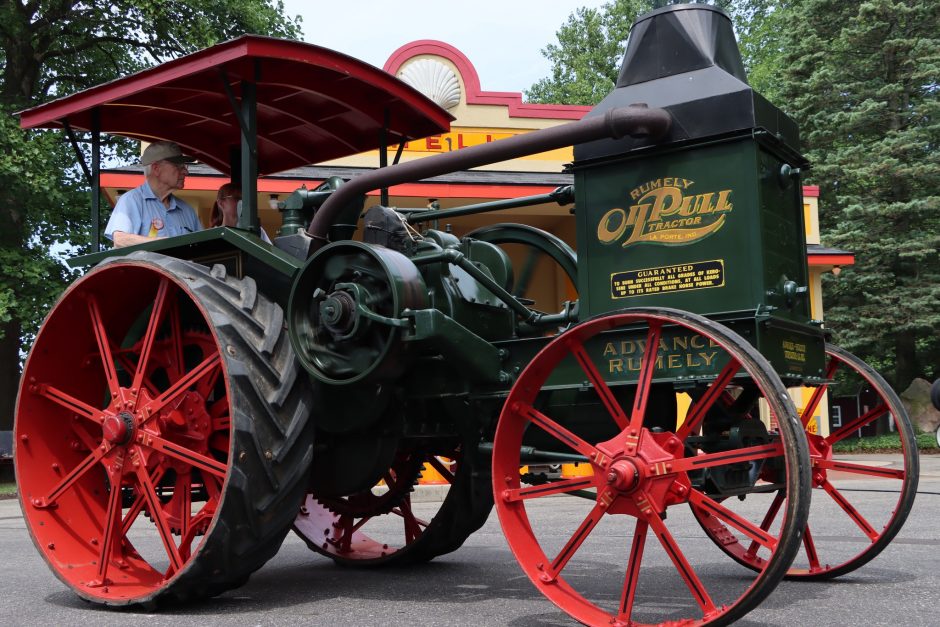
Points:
[(268, 455), (51, 546), (94, 541), (24, 438), (242, 456)]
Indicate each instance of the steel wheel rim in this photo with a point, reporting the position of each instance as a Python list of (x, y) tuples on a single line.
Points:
[(546, 569), (357, 531), (838, 519), (125, 429)]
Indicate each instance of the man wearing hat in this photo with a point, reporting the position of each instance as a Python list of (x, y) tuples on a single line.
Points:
[(151, 210)]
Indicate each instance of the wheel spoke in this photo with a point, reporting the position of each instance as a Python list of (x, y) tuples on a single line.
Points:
[(603, 390), (769, 517), (205, 367), (77, 473), (412, 524), (813, 403), (708, 460), (129, 366), (716, 509), (71, 403), (556, 487), (849, 509), (183, 454), (695, 585), (633, 571), (183, 496), (645, 380), (84, 436), (156, 317), (104, 347), (206, 386), (861, 469), (810, 547), (863, 420), (443, 470), (554, 429), (138, 505), (176, 336), (163, 526), (577, 539), (698, 411), (110, 534)]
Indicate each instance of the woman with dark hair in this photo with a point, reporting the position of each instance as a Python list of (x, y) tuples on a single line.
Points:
[(225, 209)]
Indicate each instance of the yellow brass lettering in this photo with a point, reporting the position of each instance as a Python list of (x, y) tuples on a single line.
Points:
[(607, 235)]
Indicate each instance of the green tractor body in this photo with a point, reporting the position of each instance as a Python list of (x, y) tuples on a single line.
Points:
[(220, 391)]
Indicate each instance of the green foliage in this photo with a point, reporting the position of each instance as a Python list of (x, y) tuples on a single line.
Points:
[(51, 48), (586, 59), (888, 443), (861, 80)]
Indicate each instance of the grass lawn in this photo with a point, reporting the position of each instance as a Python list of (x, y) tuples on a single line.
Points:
[(926, 443), (7, 488)]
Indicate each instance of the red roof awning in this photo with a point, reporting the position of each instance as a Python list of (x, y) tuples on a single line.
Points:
[(314, 104)]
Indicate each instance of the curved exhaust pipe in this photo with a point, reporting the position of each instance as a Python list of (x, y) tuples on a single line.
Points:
[(636, 120)]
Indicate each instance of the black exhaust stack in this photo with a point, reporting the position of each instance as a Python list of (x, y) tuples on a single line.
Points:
[(684, 58)]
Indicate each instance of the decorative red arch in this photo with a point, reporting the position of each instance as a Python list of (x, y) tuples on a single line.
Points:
[(475, 95)]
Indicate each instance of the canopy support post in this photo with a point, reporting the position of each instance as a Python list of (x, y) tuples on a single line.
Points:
[(383, 156), (246, 113), (248, 216), (95, 180)]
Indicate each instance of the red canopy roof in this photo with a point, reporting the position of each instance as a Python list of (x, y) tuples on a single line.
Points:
[(314, 104)]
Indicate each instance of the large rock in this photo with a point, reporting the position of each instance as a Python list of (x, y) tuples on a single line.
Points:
[(916, 399)]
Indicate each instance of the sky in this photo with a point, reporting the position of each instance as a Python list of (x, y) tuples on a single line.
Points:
[(502, 38)]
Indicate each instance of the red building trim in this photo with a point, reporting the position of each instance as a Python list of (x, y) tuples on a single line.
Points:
[(831, 260), (124, 180), (475, 94)]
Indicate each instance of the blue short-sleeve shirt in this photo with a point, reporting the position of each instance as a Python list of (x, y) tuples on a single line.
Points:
[(140, 212)]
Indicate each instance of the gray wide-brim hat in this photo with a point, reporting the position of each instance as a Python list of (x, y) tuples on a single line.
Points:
[(164, 151)]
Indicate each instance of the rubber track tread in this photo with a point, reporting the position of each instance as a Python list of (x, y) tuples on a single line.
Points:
[(272, 431)]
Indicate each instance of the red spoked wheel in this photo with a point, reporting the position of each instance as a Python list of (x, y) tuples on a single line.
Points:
[(386, 525), (643, 467), (861, 502), (161, 429)]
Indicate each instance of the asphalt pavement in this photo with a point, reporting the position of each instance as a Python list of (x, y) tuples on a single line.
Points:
[(481, 584)]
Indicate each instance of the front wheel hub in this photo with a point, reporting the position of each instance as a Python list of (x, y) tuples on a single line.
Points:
[(623, 475), (118, 429)]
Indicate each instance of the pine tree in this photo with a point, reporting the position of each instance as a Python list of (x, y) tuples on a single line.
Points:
[(862, 79)]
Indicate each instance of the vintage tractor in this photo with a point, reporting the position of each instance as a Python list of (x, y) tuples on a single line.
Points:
[(189, 401)]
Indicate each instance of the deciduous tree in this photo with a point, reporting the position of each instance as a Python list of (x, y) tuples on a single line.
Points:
[(48, 49)]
